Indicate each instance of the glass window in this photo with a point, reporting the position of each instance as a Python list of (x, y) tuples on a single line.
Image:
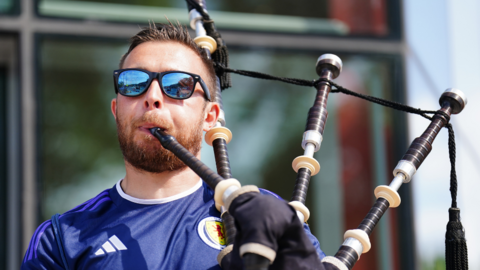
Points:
[(379, 18), (80, 155), (79, 149), (9, 6)]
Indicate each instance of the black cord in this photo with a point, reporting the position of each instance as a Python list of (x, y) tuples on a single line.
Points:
[(338, 89), (453, 172), (259, 75), (383, 102)]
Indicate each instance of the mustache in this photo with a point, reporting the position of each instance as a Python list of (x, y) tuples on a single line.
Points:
[(152, 157), (151, 117)]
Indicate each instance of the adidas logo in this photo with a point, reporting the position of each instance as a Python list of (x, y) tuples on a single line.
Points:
[(110, 245)]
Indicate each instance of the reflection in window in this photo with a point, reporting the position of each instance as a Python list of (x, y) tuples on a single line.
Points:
[(7, 6), (79, 151)]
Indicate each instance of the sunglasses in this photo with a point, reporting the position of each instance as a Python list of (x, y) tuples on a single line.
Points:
[(174, 84)]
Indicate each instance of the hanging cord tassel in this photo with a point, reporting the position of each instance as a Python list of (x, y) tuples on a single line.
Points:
[(220, 55), (456, 255)]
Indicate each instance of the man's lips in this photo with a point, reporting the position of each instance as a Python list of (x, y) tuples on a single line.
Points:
[(146, 128)]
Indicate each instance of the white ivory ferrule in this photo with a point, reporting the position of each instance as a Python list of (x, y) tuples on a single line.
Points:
[(335, 262), (355, 244), (300, 216), (407, 168), (224, 189), (228, 192), (314, 137), (309, 150), (359, 236), (397, 181), (194, 17), (302, 211), (221, 119)]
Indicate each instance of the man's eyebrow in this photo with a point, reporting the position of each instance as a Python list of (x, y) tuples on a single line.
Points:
[(139, 67), (164, 70)]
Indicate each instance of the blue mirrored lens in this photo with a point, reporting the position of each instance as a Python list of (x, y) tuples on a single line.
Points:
[(132, 82), (178, 85)]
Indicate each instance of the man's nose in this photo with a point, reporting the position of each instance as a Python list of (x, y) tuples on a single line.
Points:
[(153, 96)]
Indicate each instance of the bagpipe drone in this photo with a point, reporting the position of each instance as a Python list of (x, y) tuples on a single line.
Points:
[(261, 236)]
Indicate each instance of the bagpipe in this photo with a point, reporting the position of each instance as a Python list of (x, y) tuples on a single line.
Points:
[(261, 232)]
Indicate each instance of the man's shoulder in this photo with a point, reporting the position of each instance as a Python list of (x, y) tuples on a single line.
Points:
[(95, 205), (90, 229), (80, 215), (43, 251)]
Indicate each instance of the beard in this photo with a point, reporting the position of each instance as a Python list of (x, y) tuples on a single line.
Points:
[(148, 154)]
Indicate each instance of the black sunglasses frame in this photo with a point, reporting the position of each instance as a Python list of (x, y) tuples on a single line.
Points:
[(159, 76)]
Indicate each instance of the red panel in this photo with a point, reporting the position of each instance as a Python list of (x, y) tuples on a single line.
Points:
[(366, 17), (357, 174)]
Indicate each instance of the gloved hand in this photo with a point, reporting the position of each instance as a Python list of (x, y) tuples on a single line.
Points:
[(269, 227)]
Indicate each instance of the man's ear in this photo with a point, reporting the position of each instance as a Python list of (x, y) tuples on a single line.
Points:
[(212, 111), (113, 107)]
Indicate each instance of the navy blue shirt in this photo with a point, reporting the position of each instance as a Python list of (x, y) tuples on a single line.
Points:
[(117, 231)]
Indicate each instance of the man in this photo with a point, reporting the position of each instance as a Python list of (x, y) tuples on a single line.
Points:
[(160, 215)]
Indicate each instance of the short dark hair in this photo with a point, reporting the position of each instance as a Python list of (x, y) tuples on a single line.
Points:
[(176, 33)]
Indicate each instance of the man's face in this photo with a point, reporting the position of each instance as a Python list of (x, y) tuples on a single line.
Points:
[(184, 119)]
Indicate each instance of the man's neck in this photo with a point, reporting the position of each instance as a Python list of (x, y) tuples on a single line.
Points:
[(145, 185)]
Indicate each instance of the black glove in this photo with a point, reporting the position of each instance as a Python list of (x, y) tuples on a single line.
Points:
[(274, 225)]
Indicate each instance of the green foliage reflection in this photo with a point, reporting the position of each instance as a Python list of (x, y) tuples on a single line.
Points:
[(79, 152)]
